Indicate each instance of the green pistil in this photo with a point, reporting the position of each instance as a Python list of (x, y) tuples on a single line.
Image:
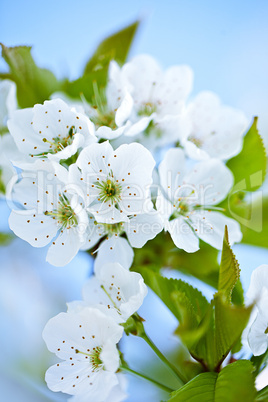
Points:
[(147, 109), (104, 119), (152, 129), (112, 228), (196, 141), (59, 143), (182, 210), (266, 331), (64, 214), (94, 358), (110, 190)]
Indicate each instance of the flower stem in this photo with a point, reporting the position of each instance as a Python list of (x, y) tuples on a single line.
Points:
[(170, 366), (158, 384)]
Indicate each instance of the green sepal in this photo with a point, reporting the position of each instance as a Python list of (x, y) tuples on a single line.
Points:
[(134, 326)]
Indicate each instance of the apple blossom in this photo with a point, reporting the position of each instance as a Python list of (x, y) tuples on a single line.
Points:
[(186, 203), (86, 342), (52, 130), (117, 183), (214, 130), (157, 116), (114, 290)]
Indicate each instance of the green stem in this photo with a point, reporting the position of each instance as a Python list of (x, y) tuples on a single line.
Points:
[(158, 384), (172, 368)]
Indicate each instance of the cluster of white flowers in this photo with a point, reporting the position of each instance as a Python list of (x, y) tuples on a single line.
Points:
[(86, 182)]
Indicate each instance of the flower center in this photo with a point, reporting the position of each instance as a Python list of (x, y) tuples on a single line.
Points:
[(59, 142), (104, 119), (196, 141), (94, 358), (147, 109), (182, 209), (266, 331), (110, 190), (64, 215), (112, 228)]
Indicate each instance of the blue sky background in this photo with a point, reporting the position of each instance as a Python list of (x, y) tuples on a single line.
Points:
[(226, 44)]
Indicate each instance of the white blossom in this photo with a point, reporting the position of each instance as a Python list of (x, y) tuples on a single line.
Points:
[(52, 130), (187, 201), (114, 290), (157, 116), (213, 130), (117, 183), (86, 342), (51, 213)]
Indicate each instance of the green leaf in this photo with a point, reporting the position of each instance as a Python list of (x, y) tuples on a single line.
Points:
[(257, 233), (34, 84), (115, 47), (230, 321), (177, 295), (234, 383), (187, 304), (249, 166), (160, 252), (229, 269), (85, 85), (259, 362), (199, 389)]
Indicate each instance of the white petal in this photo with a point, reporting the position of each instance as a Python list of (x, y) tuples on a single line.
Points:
[(21, 129), (219, 128), (258, 281), (194, 152), (36, 229), (165, 208), (104, 212), (142, 228), (257, 338), (126, 289), (210, 226), (93, 160), (63, 377), (64, 248), (183, 235), (141, 73), (133, 164), (211, 181), (8, 100), (171, 171), (115, 250), (173, 90), (124, 110), (139, 126), (105, 132)]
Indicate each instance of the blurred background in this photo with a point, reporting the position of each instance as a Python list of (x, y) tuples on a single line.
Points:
[(226, 44)]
